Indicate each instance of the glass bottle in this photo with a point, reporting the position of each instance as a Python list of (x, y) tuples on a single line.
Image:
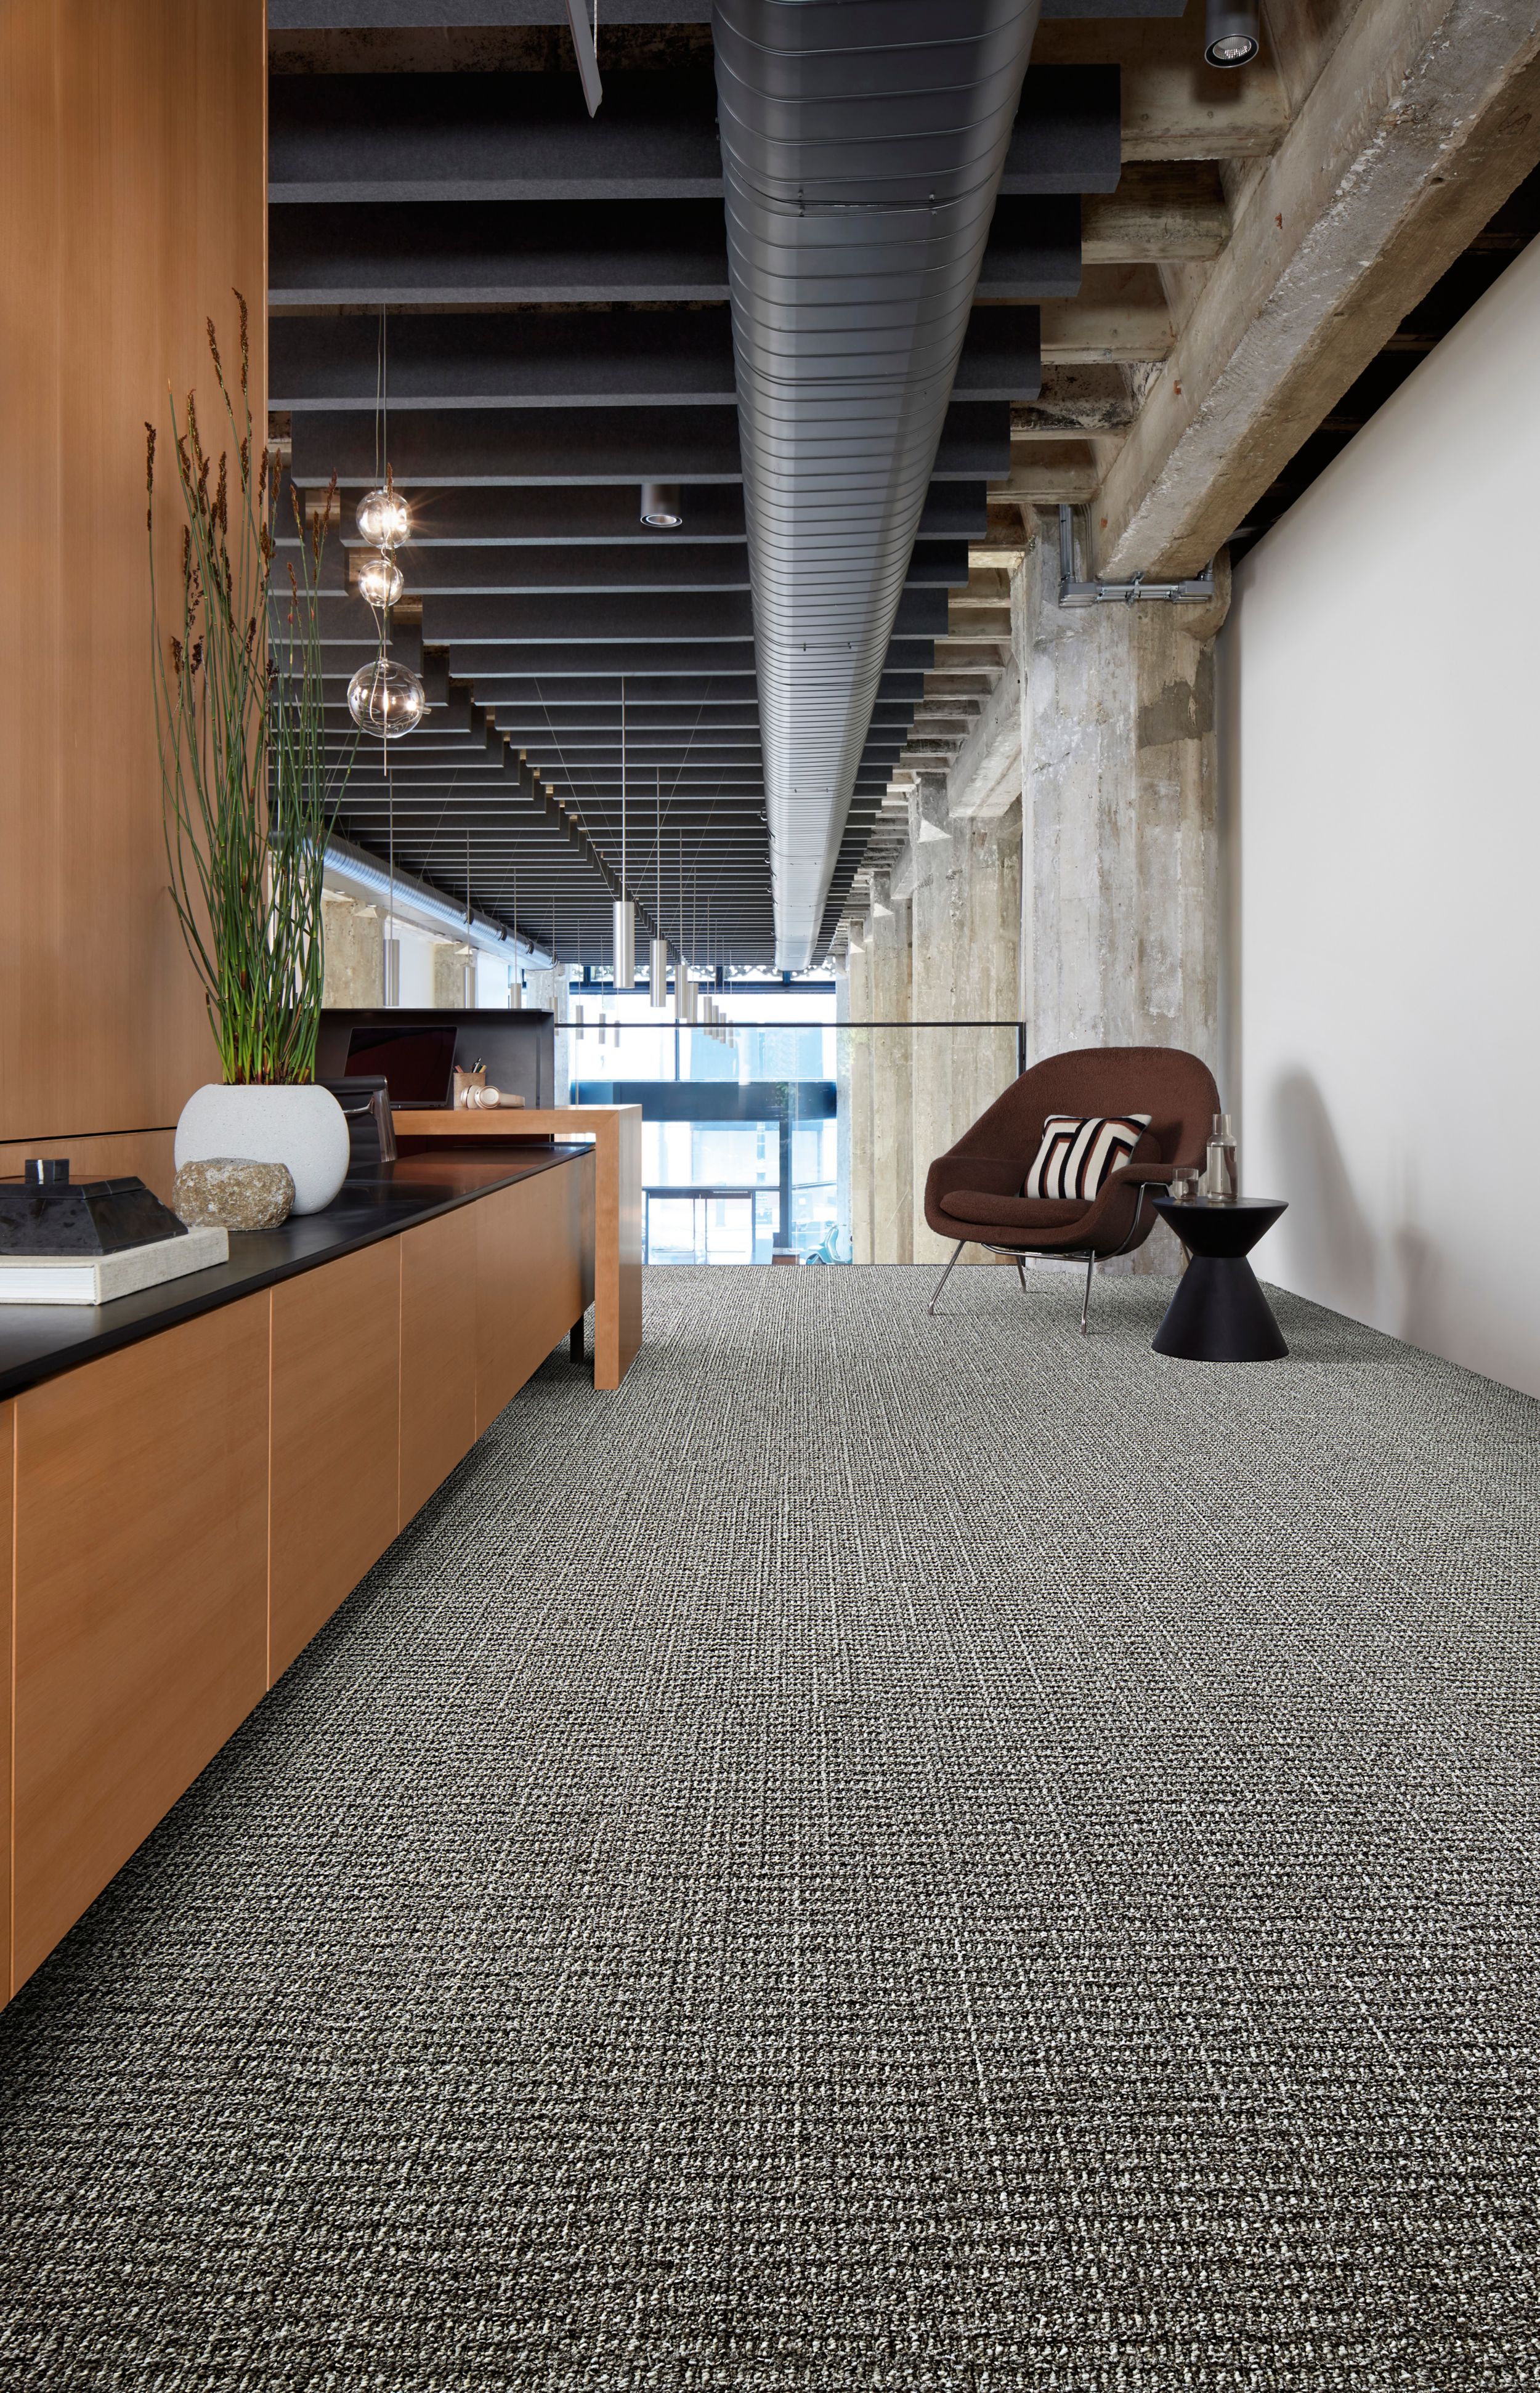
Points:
[(1225, 1184)]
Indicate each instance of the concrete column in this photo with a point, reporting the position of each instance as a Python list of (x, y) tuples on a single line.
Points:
[(353, 951), (966, 921), (892, 1123), (448, 975), (1120, 854), (859, 969), (842, 1103), (547, 990)]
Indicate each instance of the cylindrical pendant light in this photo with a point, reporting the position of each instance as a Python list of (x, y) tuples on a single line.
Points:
[(515, 988), (660, 506), (691, 999), (392, 971), (659, 973), (1231, 32), (625, 944), (625, 912)]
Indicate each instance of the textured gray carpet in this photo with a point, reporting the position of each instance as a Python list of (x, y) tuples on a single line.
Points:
[(890, 1853)]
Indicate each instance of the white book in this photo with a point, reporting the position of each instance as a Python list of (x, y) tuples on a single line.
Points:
[(97, 1279)]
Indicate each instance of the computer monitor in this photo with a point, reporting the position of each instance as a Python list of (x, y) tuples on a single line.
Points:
[(417, 1061)]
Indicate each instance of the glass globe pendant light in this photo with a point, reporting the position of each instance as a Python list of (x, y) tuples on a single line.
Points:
[(386, 699), (385, 519), (380, 584)]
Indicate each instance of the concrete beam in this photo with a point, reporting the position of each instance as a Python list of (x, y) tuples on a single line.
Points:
[(985, 779), (1173, 105), (1122, 316), (1422, 122), (1049, 473), (1160, 213), (1075, 402)]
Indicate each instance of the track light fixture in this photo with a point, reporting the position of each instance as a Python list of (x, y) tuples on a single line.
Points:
[(1231, 32), (660, 506)]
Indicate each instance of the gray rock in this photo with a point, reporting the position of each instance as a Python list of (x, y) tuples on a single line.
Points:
[(228, 1193)]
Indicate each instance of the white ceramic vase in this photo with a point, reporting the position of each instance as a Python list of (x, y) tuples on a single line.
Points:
[(303, 1128)]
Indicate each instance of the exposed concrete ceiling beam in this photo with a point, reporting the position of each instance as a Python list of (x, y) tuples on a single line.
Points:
[(1422, 121), (1173, 105), (1121, 317), (1051, 473), (1171, 211), (1075, 401)]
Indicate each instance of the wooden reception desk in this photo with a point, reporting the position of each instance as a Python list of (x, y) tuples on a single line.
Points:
[(192, 1479), (615, 1131)]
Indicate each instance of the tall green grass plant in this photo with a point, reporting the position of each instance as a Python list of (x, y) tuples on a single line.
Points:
[(248, 798)]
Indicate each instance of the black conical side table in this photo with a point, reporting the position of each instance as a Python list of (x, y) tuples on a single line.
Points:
[(1219, 1313)]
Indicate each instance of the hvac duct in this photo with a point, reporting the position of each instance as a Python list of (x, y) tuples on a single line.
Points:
[(861, 147)]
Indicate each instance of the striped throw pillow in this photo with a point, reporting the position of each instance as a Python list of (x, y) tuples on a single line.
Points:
[(1078, 1151)]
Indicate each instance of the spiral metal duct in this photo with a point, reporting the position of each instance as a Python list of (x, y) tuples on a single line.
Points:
[(862, 146)]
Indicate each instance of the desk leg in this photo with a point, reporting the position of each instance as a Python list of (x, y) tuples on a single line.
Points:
[(618, 1249)]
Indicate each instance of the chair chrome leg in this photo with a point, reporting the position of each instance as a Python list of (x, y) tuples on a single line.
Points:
[(945, 1276), (1085, 1307), (1020, 1274)]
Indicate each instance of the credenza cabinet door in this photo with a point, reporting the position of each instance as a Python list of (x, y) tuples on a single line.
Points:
[(7, 1478), (530, 1285), (142, 1599), (438, 1351), (334, 1500)]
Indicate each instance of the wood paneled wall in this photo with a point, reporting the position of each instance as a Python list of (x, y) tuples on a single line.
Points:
[(132, 169)]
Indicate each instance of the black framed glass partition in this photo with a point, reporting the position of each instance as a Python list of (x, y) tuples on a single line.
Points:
[(795, 1137)]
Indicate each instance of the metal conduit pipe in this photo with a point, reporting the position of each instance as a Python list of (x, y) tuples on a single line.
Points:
[(861, 147), (418, 899)]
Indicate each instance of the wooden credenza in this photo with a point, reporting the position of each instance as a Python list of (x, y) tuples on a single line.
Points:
[(615, 1131), (182, 1515)]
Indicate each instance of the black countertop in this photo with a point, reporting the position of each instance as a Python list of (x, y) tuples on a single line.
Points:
[(37, 1342)]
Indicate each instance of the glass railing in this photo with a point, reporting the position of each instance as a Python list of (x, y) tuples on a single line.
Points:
[(799, 1139)]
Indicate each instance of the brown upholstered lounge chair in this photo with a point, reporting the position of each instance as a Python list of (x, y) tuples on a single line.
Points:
[(974, 1192)]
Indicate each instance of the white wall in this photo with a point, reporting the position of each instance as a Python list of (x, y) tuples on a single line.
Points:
[(1379, 697)]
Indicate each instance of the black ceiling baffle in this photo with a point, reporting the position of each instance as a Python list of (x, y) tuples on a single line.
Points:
[(559, 290)]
